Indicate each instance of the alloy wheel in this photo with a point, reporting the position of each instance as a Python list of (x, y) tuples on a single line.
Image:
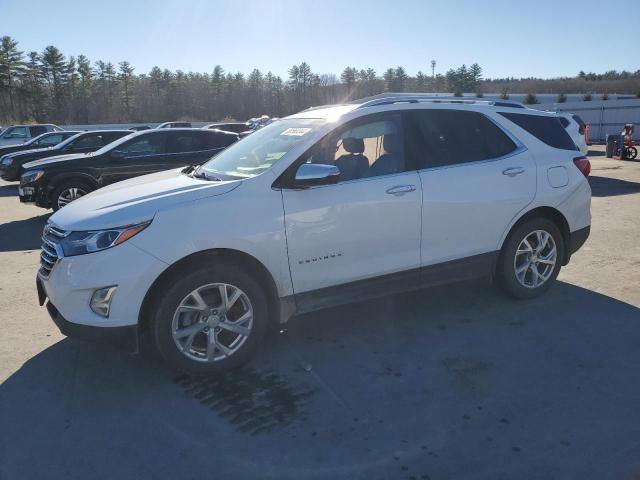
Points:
[(535, 259), (69, 195), (212, 322)]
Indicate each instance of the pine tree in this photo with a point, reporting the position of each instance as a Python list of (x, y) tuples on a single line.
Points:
[(126, 81), (54, 68), (11, 67)]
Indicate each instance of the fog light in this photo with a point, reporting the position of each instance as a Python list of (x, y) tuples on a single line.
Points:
[(101, 300)]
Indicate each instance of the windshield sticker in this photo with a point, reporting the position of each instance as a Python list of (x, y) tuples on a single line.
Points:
[(295, 132)]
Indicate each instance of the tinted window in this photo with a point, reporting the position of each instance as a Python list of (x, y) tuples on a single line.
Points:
[(546, 129), (87, 141), (145, 145), (35, 131), (448, 137), (107, 138), (216, 139), (185, 142), (564, 122), (581, 125)]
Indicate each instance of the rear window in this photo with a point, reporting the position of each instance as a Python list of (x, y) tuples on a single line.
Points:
[(564, 122), (548, 130)]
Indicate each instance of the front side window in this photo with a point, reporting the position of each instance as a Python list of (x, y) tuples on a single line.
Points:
[(146, 145), (257, 152), (15, 132), (49, 140), (439, 138), (367, 148)]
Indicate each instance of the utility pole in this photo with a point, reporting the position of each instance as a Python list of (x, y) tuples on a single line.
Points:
[(433, 68)]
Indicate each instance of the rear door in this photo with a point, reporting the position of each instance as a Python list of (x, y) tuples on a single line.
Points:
[(191, 147), (475, 179)]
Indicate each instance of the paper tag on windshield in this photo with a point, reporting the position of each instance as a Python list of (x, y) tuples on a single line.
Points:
[(295, 132)]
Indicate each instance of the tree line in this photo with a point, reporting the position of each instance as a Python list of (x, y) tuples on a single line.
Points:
[(48, 86)]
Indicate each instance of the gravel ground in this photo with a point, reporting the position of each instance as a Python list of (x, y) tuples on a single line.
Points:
[(449, 383)]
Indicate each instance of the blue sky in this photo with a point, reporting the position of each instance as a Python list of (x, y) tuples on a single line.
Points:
[(507, 38)]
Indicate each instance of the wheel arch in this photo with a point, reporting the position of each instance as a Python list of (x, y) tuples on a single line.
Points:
[(549, 213), (211, 256)]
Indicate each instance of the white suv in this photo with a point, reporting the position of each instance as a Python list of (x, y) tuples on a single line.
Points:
[(328, 206)]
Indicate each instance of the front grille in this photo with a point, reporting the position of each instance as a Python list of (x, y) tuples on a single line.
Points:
[(51, 249)]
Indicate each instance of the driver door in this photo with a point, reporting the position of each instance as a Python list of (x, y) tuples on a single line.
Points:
[(361, 236)]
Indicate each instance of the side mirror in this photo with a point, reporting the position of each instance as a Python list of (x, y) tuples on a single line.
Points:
[(311, 174)]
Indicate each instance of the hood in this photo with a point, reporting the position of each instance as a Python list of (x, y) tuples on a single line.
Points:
[(136, 200), (56, 159), (26, 153)]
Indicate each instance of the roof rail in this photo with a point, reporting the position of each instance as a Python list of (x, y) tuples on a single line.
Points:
[(391, 98)]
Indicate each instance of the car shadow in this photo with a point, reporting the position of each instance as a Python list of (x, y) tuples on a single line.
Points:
[(596, 153), (9, 190), (609, 187), (431, 384), (22, 234)]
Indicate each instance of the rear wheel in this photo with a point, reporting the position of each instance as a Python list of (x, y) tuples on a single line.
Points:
[(531, 258), (68, 192), (210, 320), (631, 153)]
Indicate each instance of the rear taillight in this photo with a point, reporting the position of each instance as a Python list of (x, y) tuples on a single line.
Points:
[(583, 165)]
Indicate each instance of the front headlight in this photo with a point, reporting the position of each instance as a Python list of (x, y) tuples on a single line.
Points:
[(30, 177), (79, 243), (6, 160)]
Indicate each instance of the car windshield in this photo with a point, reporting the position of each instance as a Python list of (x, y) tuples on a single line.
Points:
[(259, 151), (110, 146)]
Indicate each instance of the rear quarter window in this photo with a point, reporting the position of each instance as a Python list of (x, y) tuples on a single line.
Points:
[(548, 130)]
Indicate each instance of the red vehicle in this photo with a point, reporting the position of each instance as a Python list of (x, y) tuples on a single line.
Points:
[(630, 151)]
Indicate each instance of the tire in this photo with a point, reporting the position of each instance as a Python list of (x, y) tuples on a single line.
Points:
[(80, 187), (510, 269), (631, 153), (200, 356)]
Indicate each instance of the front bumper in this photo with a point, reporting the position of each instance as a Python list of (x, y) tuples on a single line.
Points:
[(73, 280), (124, 338), (27, 193)]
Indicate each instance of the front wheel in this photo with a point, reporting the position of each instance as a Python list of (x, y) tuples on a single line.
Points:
[(631, 153), (68, 192), (210, 319), (531, 258)]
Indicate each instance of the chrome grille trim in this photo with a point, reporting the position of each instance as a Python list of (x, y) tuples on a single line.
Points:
[(51, 251)]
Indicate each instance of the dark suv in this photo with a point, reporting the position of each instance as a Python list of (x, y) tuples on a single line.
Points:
[(54, 182), (81, 143), (49, 139)]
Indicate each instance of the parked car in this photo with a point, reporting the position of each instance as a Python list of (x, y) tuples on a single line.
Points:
[(174, 125), (236, 127), (575, 126), (57, 181), (11, 165), (139, 128), (328, 206), (45, 140), (23, 133)]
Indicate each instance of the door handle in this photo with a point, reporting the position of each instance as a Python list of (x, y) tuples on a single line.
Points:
[(512, 172), (401, 189)]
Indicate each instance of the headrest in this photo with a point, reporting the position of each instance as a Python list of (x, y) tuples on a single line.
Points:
[(390, 142), (353, 145)]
